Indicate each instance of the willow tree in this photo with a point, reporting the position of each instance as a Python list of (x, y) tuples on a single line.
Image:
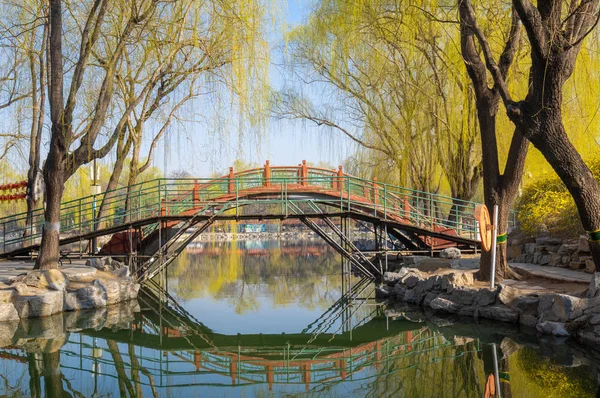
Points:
[(393, 85), (90, 115)]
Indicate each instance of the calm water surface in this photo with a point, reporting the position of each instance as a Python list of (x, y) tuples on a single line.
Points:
[(268, 318)]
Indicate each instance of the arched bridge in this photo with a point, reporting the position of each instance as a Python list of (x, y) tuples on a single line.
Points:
[(156, 219)]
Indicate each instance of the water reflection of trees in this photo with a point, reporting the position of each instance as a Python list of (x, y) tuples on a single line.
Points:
[(307, 273)]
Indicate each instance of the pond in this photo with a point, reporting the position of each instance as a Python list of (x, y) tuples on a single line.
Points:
[(273, 318)]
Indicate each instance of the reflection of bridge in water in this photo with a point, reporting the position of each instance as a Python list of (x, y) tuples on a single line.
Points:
[(170, 357)]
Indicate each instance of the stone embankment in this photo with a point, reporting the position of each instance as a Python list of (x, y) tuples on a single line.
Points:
[(552, 252), (456, 292), (49, 334), (43, 293)]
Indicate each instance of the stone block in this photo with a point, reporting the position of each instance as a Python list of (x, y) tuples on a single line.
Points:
[(41, 303), (463, 295), (545, 259), (444, 305), (499, 313), (555, 260), (529, 248), (484, 297)]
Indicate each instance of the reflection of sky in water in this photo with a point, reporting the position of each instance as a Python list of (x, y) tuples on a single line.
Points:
[(275, 308), (404, 359)]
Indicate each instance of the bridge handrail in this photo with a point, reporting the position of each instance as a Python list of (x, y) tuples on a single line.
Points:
[(163, 196)]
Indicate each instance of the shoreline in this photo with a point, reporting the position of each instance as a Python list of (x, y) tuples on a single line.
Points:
[(455, 291)]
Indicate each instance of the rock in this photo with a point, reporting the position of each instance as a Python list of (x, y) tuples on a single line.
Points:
[(463, 296), (575, 265), (545, 259), (560, 307), (528, 320), (467, 311), (80, 274), (91, 296), (529, 248), (548, 241), (554, 328), (443, 304), (584, 244), (595, 320), (450, 281), (8, 312), (44, 279), (451, 253), (526, 305), (411, 281), (594, 287), (40, 303), (383, 292), (429, 297), (507, 294), (118, 290), (95, 263), (391, 278), (555, 260), (6, 295), (56, 280), (500, 313), (399, 291), (590, 267), (484, 297)]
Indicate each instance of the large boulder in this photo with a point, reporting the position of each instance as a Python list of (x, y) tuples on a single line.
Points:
[(484, 297), (39, 303), (560, 307), (90, 296), (118, 290)]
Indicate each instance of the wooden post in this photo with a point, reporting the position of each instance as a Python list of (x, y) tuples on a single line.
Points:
[(267, 174), (197, 360), (196, 195), (304, 173), (231, 188), (375, 192), (406, 207)]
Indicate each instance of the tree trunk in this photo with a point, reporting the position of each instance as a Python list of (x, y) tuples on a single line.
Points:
[(558, 150), (54, 169), (122, 151)]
